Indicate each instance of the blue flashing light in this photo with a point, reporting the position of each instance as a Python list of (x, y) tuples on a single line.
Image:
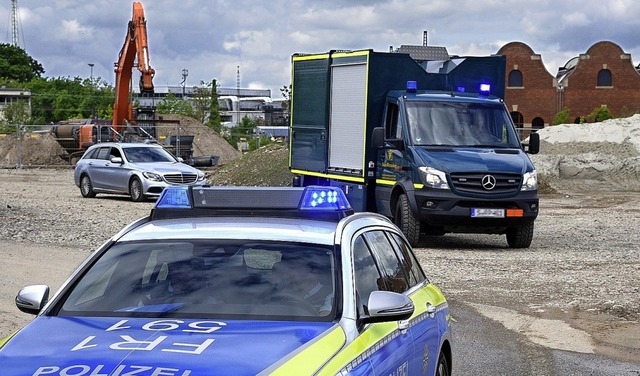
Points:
[(485, 89), (323, 198), (174, 198), (460, 89), (412, 86)]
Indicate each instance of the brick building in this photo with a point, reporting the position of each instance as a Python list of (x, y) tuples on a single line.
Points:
[(603, 76)]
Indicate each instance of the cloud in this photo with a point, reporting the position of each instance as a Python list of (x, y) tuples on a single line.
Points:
[(212, 38)]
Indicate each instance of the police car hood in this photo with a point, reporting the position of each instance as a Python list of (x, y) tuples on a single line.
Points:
[(482, 160), (123, 346)]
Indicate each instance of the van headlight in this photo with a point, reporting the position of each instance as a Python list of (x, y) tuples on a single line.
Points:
[(433, 178), (530, 181)]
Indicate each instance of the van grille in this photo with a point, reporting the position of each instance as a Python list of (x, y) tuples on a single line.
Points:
[(472, 183), (180, 178)]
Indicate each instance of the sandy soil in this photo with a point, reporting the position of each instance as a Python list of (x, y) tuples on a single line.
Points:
[(575, 288)]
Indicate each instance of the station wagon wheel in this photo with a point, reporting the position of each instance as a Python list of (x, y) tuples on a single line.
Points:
[(135, 190), (86, 187), (406, 221)]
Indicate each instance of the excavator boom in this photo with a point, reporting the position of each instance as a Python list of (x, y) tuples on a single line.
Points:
[(135, 45)]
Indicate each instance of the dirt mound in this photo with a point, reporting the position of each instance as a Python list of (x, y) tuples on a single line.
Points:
[(35, 149), (206, 141), (600, 156), (41, 148), (267, 166)]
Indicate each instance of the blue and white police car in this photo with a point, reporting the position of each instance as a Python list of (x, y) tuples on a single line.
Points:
[(240, 281)]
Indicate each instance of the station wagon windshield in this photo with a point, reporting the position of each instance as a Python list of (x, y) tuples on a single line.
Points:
[(147, 154)]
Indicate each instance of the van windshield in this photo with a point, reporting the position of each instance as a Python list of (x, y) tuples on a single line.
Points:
[(460, 124)]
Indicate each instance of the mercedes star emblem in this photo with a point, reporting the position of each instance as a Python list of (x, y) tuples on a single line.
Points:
[(488, 182)]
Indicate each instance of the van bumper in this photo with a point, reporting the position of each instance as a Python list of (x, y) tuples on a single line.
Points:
[(444, 209)]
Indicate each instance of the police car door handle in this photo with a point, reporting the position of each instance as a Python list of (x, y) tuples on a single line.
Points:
[(431, 309)]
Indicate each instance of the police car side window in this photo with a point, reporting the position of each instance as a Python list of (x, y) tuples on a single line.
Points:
[(367, 275), (393, 271), (408, 260)]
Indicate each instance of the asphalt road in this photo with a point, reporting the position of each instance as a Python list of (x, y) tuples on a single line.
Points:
[(485, 347)]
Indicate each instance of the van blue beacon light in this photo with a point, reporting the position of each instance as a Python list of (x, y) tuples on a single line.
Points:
[(485, 89), (412, 86)]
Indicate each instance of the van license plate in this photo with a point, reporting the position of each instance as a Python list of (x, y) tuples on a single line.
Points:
[(487, 213)]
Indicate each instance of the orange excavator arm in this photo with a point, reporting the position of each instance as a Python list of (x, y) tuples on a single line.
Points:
[(135, 44)]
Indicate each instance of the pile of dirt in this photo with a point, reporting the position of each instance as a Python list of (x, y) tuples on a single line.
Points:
[(41, 149), (266, 167), (206, 141), (600, 156), (35, 149)]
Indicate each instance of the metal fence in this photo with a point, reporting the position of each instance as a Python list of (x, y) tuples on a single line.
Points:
[(46, 146)]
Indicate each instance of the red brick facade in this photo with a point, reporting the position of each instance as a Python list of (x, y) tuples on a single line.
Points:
[(603, 76)]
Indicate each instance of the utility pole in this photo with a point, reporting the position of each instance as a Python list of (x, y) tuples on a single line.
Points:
[(238, 93)]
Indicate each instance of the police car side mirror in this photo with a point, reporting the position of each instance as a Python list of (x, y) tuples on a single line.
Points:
[(385, 306), (116, 160), (31, 299)]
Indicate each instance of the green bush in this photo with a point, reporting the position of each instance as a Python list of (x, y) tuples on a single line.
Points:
[(562, 117), (599, 114)]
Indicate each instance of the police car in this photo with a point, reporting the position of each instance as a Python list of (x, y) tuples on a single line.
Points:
[(240, 281)]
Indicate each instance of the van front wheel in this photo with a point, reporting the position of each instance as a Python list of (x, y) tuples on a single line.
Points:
[(406, 221), (520, 237)]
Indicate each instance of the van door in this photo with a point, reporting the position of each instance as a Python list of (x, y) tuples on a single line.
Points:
[(391, 159)]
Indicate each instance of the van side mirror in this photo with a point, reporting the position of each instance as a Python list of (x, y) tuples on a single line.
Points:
[(377, 138), (534, 143), (378, 141)]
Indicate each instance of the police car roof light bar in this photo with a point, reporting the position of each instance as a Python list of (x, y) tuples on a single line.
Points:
[(310, 202)]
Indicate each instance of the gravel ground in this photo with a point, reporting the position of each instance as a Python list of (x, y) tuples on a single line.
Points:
[(583, 266)]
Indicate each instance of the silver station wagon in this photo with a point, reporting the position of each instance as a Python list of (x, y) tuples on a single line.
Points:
[(139, 170)]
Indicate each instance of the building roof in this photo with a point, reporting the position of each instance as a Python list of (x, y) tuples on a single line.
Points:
[(422, 53)]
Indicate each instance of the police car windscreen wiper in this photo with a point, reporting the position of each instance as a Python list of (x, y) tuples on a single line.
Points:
[(160, 308)]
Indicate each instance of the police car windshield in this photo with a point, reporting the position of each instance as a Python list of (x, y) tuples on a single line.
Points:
[(460, 124), (209, 279)]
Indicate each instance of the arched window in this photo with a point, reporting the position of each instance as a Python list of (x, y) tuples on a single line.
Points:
[(537, 123), (518, 121), (515, 78), (604, 78)]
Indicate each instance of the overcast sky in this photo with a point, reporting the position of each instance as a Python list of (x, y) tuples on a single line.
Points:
[(212, 38)]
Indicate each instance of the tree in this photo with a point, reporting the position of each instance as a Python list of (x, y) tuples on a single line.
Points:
[(215, 121), (56, 99), (244, 130), (173, 105), (286, 105), (15, 64), (16, 113)]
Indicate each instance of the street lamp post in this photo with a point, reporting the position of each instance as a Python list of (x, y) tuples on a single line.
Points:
[(91, 76), (185, 73)]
